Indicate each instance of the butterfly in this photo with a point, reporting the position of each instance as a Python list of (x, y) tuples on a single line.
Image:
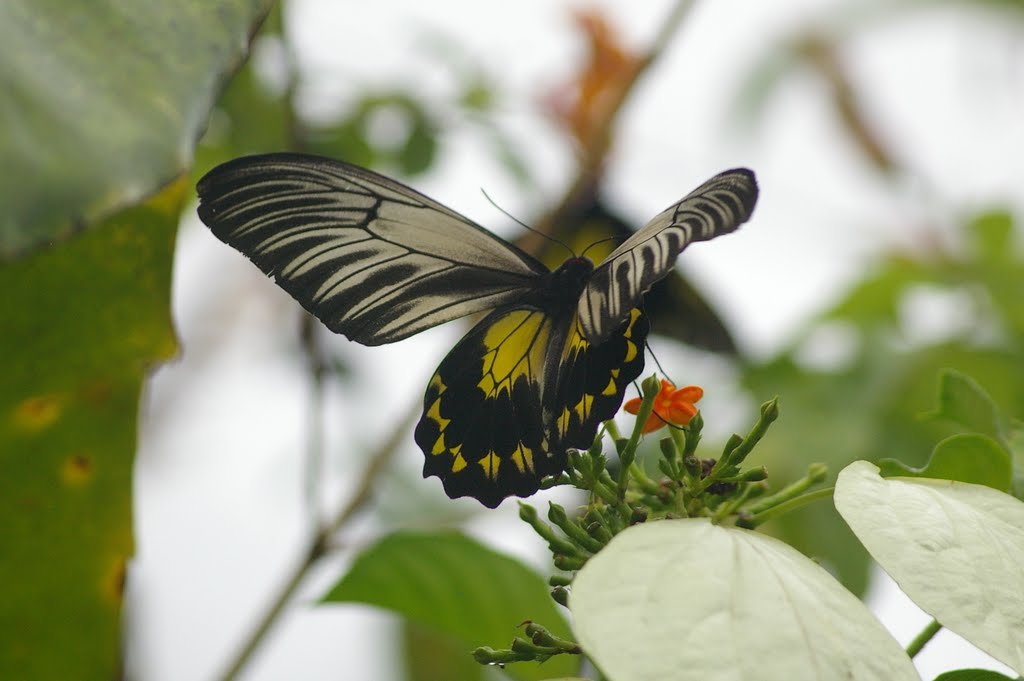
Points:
[(378, 262), (674, 307)]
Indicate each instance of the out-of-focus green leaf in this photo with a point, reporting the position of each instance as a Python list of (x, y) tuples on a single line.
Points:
[(457, 586), (998, 264), (963, 401), (876, 299), (968, 457), (869, 406), (1015, 443), (433, 656), (103, 102), (79, 325), (828, 418), (417, 154), (391, 129), (992, 234), (249, 119), (346, 142)]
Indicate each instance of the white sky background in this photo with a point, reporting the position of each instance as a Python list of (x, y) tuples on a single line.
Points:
[(221, 515)]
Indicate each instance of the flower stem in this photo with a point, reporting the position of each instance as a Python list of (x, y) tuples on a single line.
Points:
[(921, 640), (787, 506)]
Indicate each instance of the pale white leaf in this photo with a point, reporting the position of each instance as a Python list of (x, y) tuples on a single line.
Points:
[(956, 549), (685, 599)]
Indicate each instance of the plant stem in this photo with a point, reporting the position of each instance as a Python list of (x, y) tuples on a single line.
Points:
[(271, 616), (319, 546), (314, 461), (787, 506), (921, 640)]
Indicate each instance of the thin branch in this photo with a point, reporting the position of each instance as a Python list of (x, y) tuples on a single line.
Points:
[(377, 464), (314, 460)]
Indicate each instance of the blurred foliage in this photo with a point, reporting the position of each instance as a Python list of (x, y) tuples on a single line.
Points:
[(79, 327), (983, 455), (458, 588), (433, 656), (869, 404), (103, 102)]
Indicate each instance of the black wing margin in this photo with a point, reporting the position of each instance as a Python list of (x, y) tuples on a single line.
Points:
[(368, 256), (717, 207)]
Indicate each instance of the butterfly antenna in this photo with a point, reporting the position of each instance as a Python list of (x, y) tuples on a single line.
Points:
[(661, 369), (671, 380), (526, 226), (598, 243)]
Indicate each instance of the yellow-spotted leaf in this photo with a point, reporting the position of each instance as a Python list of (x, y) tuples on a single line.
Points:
[(460, 588), (79, 325)]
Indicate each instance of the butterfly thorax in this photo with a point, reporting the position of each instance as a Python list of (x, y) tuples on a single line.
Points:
[(562, 288)]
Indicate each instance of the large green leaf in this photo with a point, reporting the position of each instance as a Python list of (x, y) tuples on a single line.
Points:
[(79, 325), (433, 656), (460, 588), (103, 102)]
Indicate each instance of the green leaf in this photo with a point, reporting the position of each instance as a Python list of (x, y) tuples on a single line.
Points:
[(972, 675), (954, 548), (457, 586), (103, 103), (420, 148), (685, 599), (433, 656), (1015, 442), (876, 299), (963, 401), (967, 457), (992, 234), (391, 129), (79, 326), (997, 265)]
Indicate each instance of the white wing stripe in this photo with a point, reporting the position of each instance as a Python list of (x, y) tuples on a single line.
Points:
[(371, 258), (717, 207)]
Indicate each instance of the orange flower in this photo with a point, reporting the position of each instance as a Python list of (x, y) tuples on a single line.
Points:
[(671, 405)]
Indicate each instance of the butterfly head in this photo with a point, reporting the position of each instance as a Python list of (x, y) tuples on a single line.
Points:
[(564, 286)]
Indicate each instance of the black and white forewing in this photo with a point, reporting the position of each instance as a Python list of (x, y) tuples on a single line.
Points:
[(371, 258), (717, 207)]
